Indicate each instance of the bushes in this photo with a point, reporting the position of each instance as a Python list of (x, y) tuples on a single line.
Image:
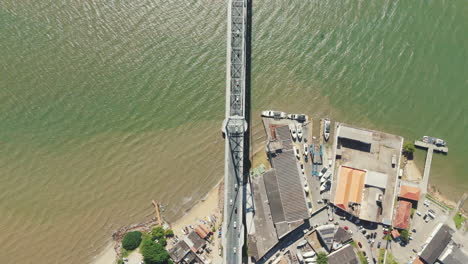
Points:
[(459, 219), (322, 258), (404, 235), (131, 240), (169, 233), (409, 149)]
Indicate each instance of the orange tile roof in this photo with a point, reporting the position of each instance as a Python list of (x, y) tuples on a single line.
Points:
[(410, 192), (350, 187), (205, 229), (395, 233), (402, 217), (418, 261), (200, 232)]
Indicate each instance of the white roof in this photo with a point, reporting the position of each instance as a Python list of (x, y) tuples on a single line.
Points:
[(355, 134), (376, 179)]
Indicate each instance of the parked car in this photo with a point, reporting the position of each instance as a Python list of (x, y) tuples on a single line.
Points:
[(418, 213), (379, 244), (359, 244), (346, 228)]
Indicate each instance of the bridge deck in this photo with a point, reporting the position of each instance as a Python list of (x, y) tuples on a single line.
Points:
[(234, 128)]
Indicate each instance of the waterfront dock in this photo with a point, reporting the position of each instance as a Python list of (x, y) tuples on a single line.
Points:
[(427, 165)]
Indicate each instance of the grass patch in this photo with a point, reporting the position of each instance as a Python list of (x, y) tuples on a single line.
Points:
[(261, 158), (390, 259), (362, 258), (126, 253), (434, 200), (353, 243), (459, 219), (381, 256)]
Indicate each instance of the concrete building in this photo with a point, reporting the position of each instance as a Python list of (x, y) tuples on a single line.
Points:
[(284, 186), (366, 172), (344, 255), (182, 253), (401, 220), (411, 193), (437, 243)]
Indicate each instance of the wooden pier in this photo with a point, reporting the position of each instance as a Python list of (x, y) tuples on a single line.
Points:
[(427, 166)]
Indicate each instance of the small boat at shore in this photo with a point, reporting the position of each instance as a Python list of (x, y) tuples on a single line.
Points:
[(326, 129)]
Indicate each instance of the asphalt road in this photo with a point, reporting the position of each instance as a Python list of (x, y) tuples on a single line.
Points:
[(233, 203)]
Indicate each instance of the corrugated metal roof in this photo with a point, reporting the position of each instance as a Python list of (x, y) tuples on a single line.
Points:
[(437, 245), (355, 134)]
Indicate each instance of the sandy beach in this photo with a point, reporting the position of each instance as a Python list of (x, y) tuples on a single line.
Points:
[(209, 205), (107, 256), (412, 171)]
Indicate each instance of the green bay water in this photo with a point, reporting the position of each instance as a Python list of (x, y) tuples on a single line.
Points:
[(107, 104)]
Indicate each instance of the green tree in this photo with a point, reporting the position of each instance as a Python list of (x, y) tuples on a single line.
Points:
[(169, 233), (322, 258), (154, 253), (404, 235), (409, 149), (131, 240), (157, 233)]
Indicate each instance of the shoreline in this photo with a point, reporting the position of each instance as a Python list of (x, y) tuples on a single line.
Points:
[(210, 204)]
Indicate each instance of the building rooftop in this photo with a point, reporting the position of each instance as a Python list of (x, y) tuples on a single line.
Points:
[(326, 234), (355, 134), (437, 245), (402, 217), (350, 187), (376, 179), (284, 189), (455, 256), (194, 241), (342, 236), (179, 251), (372, 154), (410, 192), (344, 255)]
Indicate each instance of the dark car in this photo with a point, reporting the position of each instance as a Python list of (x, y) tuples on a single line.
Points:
[(359, 244), (379, 244), (364, 253), (375, 234)]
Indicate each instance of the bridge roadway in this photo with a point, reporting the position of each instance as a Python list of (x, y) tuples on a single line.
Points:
[(234, 129)]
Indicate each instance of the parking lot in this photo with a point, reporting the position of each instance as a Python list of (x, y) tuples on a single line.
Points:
[(423, 229)]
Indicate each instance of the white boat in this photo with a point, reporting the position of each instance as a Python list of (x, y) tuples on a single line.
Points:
[(268, 113), (279, 115), (324, 170), (306, 188), (299, 132), (324, 186), (306, 149), (309, 254), (301, 243), (296, 151), (326, 129), (292, 128), (435, 141), (325, 177)]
